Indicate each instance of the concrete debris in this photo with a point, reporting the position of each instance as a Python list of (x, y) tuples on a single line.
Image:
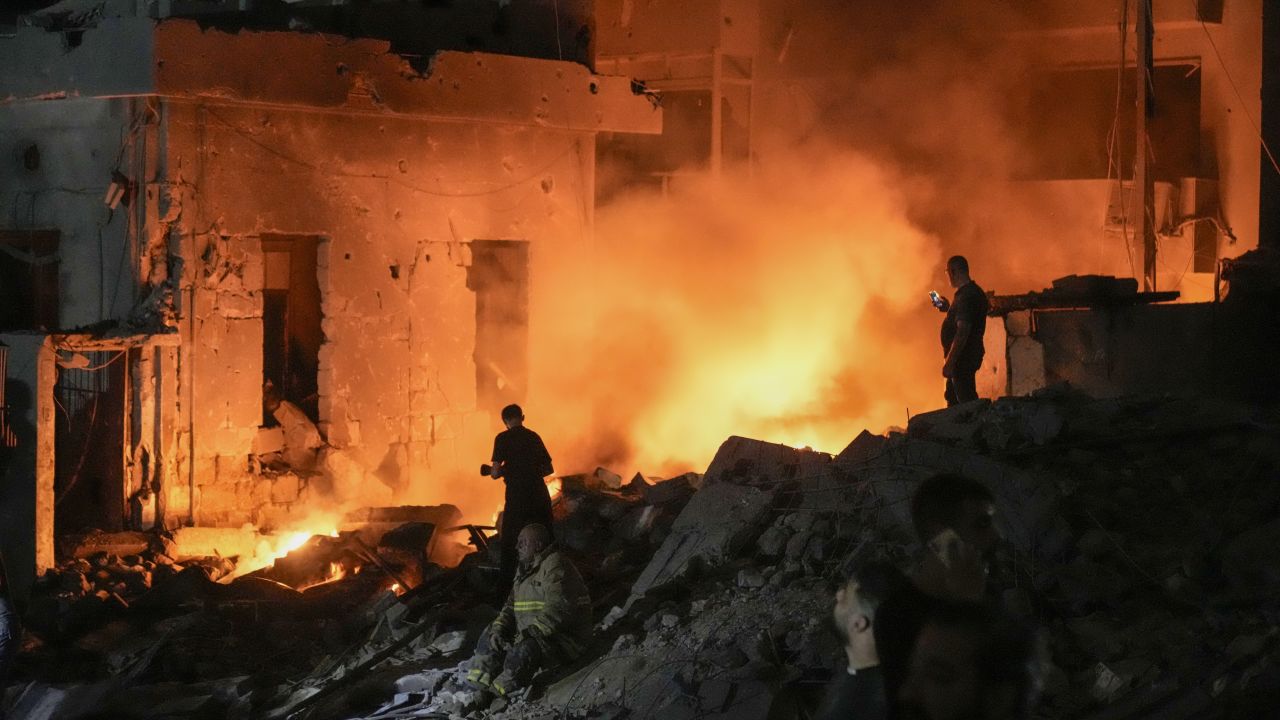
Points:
[(863, 448), (1140, 534), (713, 526), (743, 461), (117, 543)]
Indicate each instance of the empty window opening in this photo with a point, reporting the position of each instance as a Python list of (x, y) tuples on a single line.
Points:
[(11, 407), (89, 398), (29, 280), (291, 333), (499, 276), (1075, 127)]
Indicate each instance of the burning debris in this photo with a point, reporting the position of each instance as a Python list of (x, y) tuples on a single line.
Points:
[(710, 591)]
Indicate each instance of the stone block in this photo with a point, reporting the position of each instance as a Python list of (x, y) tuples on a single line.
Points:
[(116, 543), (285, 488), (426, 683), (192, 542), (672, 490), (958, 423), (754, 462), (862, 449), (714, 525), (797, 544), (772, 542), (267, 440), (450, 642), (607, 479)]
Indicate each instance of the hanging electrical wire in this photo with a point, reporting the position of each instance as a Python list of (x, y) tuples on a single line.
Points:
[(1235, 88)]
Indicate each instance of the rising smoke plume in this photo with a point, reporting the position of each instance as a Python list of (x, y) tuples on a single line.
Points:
[(788, 302)]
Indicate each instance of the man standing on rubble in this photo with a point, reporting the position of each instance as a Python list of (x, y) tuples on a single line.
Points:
[(962, 332), (521, 460), (545, 622)]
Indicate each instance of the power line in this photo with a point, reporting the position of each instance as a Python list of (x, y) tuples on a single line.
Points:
[(1234, 88)]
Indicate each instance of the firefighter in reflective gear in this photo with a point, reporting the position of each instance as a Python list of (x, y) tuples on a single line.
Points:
[(545, 622)]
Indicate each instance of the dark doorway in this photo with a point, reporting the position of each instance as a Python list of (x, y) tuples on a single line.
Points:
[(499, 275), (89, 441), (29, 280), (291, 333)]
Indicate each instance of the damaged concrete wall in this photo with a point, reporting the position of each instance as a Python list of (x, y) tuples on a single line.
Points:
[(113, 59), (1185, 349), (1228, 59), (392, 169), (77, 144), (395, 203)]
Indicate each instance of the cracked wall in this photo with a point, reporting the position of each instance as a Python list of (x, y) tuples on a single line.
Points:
[(394, 168), (395, 202)]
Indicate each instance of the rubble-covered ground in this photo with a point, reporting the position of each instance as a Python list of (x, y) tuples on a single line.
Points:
[(1142, 533)]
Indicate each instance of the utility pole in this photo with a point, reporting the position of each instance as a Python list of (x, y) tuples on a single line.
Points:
[(1142, 183)]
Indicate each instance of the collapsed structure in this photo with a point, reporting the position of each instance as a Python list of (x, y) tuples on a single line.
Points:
[(710, 590), (357, 231), (202, 214)]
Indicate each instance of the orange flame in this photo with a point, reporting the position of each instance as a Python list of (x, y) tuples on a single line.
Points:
[(337, 571), (272, 547)]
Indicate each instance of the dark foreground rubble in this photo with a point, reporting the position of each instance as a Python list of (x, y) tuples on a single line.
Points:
[(1141, 534)]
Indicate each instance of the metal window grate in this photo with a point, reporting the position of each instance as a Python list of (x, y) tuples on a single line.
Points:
[(8, 438)]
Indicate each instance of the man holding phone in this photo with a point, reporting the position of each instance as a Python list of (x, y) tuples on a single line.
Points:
[(962, 332), (521, 461)]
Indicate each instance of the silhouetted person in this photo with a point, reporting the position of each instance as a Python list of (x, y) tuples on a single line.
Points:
[(521, 460), (954, 520), (857, 690), (962, 332), (972, 662)]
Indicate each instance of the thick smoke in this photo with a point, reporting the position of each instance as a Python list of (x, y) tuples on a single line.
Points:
[(756, 306), (789, 302)]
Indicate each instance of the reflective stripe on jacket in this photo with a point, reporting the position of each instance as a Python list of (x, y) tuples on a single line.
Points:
[(549, 602)]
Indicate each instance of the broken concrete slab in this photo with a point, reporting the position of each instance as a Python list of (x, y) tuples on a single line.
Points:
[(607, 479), (863, 448), (673, 489), (1027, 503), (718, 521), (744, 461), (267, 441), (196, 541), (112, 543), (371, 524), (957, 423)]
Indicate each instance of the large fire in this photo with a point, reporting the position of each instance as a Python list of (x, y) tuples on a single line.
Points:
[(272, 547), (790, 306)]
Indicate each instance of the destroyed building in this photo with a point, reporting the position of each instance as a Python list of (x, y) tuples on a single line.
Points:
[(399, 217), (293, 226)]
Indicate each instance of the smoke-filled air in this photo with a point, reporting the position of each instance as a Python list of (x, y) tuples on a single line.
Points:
[(775, 305), (788, 302)]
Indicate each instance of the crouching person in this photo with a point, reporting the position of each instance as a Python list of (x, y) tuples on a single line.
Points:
[(545, 622)]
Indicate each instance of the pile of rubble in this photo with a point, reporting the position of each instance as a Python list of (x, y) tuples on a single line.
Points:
[(1140, 534)]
